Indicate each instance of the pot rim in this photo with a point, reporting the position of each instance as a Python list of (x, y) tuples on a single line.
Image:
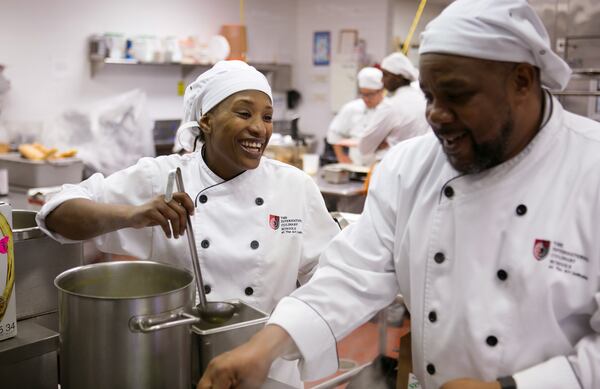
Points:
[(67, 273)]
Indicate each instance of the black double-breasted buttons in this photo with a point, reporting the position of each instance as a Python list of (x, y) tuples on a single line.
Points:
[(249, 291), (207, 289), (491, 341), (205, 244), (502, 275), (432, 316), (203, 199), (521, 210), (448, 191), (430, 368), (259, 201), (439, 257), (254, 244)]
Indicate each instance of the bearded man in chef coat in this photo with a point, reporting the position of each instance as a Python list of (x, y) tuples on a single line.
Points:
[(488, 226)]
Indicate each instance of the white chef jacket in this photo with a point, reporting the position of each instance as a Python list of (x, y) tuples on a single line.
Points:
[(350, 122), (401, 118), (500, 270), (256, 233)]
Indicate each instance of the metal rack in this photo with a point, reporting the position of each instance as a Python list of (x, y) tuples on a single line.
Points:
[(279, 74)]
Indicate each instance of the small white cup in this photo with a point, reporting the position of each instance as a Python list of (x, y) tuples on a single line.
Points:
[(310, 163)]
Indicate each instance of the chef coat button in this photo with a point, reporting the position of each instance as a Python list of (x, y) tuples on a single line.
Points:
[(432, 316), (491, 341), (502, 275), (259, 201), (439, 257), (448, 191), (249, 291), (430, 368), (521, 210), (254, 244), (207, 289), (204, 244), (203, 199)]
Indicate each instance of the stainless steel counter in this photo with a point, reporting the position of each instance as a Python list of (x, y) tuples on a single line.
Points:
[(29, 360), (348, 189), (346, 197), (18, 200)]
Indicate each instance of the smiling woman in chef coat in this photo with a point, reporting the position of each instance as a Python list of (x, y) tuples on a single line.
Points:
[(260, 225)]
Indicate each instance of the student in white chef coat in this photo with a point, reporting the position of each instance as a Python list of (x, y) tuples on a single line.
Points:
[(488, 226), (260, 225), (354, 117), (403, 115)]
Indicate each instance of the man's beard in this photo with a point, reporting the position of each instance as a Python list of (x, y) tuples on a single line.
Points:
[(488, 154)]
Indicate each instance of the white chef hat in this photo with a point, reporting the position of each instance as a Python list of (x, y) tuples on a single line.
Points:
[(210, 88), (370, 78), (497, 30), (399, 64)]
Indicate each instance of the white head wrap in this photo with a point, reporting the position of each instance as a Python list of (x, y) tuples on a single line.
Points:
[(497, 30), (210, 88), (399, 64), (370, 78)]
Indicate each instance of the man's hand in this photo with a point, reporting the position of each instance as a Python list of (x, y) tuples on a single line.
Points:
[(344, 159), (247, 366), (340, 154), (244, 367), (169, 216), (467, 383)]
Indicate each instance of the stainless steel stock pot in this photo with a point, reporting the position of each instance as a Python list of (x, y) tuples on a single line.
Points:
[(125, 325)]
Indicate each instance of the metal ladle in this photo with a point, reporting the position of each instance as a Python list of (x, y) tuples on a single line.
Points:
[(215, 312)]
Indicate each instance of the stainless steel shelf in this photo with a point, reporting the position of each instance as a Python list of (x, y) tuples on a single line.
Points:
[(186, 68), (280, 79)]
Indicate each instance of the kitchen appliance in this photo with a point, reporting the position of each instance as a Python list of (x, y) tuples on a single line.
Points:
[(124, 325), (38, 260)]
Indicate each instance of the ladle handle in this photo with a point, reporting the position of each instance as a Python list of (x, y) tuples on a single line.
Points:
[(192, 244)]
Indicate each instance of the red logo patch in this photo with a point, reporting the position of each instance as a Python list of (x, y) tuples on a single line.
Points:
[(4, 245), (274, 222), (541, 248)]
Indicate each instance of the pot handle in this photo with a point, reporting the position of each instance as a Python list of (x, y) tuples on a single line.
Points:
[(156, 323)]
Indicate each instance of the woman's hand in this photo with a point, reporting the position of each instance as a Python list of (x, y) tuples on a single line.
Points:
[(171, 216)]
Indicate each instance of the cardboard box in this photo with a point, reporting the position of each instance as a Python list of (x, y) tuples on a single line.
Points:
[(8, 310)]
